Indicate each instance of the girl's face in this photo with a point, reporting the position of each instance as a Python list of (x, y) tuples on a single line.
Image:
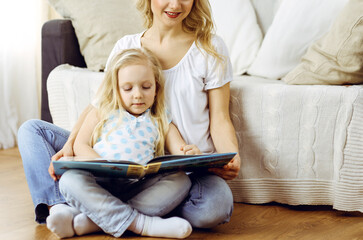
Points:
[(171, 12), (137, 88)]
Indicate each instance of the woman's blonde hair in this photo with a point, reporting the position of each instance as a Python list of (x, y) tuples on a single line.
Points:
[(109, 98), (199, 22)]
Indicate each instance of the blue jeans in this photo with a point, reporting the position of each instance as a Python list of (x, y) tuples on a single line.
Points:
[(113, 203), (208, 203)]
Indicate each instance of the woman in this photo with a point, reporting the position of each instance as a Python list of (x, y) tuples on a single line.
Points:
[(197, 72), (129, 121)]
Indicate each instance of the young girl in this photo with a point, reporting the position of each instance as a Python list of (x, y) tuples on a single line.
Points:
[(197, 73), (128, 122)]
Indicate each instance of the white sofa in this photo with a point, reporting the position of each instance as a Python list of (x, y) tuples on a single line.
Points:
[(299, 144)]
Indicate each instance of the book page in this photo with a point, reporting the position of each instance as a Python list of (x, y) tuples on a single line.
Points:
[(100, 160)]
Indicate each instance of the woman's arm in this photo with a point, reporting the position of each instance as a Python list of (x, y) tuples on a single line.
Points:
[(176, 145), (82, 144), (68, 148), (222, 131)]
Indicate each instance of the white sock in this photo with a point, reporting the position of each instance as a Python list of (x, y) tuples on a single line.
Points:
[(83, 225), (60, 220), (173, 227)]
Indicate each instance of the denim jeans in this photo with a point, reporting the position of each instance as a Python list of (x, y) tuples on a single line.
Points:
[(113, 203), (208, 203)]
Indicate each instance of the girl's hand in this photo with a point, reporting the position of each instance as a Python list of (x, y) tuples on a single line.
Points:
[(190, 149), (66, 151), (229, 171)]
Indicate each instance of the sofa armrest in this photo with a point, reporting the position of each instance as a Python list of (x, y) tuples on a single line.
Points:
[(59, 46)]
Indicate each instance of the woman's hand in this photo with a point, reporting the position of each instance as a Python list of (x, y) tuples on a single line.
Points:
[(222, 131), (66, 151), (229, 171), (51, 172), (190, 149)]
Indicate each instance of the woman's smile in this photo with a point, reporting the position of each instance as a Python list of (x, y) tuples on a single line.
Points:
[(172, 14)]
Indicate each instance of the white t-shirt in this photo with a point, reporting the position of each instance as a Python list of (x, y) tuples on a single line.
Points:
[(186, 88)]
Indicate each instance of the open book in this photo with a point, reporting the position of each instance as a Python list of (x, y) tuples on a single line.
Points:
[(128, 169)]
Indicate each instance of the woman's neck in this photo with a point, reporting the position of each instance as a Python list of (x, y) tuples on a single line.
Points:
[(161, 33)]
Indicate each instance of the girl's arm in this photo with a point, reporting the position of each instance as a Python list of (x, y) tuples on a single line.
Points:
[(222, 131), (176, 145)]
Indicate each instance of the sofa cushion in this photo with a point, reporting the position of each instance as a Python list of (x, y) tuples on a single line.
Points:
[(265, 12), (298, 144), (337, 58), (70, 90), (296, 25), (99, 24), (240, 31)]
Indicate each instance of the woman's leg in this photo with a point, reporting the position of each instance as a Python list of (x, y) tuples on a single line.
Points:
[(38, 141), (210, 202)]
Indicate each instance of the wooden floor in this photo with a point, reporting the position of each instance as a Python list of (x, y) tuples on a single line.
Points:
[(271, 221)]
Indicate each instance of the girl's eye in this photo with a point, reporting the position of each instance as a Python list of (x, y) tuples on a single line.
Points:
[(147, 86), (126, 87)]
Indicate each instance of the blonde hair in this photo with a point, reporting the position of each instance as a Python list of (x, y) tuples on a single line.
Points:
[(199, 22), (110, 98)]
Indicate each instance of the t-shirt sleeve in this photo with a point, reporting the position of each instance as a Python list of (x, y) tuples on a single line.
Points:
[(116, 49), (169, 116), (219, 72), (123, 43), (95, 101), (126, 42)]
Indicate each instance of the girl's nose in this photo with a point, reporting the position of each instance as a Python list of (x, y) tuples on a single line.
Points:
[(137, 93)]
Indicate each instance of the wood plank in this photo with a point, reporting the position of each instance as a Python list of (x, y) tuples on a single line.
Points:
[(249, 222)]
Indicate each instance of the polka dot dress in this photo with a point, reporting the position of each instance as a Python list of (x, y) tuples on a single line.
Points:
[(133, 140)]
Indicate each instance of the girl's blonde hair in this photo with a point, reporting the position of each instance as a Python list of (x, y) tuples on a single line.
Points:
[(110, 99), (199, 22)]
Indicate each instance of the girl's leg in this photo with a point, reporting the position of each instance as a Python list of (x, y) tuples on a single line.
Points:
[(113, 215), (38, 141), (108, 212), (83, 225), (173, 227), (157, 196), (144, 225), (210, 202), (160, 194), (60, 220)]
